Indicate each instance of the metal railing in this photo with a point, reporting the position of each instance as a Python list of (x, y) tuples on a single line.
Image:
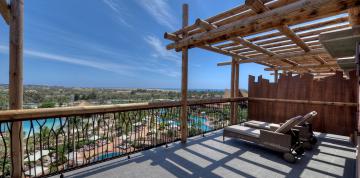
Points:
[(62, 139)]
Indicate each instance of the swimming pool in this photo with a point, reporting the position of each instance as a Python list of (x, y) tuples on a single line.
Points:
[(194, 121), (106, 156)]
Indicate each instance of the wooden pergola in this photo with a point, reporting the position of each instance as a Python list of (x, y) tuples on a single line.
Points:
[(280, 34)]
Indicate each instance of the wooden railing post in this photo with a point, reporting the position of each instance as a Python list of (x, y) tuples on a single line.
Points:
[(16, 83), (184, 80), (237, 92), (232, 92)]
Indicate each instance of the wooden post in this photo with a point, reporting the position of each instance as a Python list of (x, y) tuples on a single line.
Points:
[(276, 76), (236, 90), (16, 83), (184, 80), (232, 91)]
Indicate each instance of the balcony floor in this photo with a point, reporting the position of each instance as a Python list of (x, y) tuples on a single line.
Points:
[(208, 156)]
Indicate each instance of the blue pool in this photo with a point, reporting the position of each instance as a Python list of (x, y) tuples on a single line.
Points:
[(106, 156), (194, 121)]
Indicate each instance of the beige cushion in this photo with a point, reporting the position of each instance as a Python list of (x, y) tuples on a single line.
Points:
[(260, 124), (243, 130), (308, 117), (289, 124)]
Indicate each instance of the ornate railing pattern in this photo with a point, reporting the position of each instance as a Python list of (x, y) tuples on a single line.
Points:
[(5, 159), (63, 139)]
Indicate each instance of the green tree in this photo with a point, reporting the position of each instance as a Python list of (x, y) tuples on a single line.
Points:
[(47, 104)]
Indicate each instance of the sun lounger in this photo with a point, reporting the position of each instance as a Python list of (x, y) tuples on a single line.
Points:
[(284, 139), (304, 126)]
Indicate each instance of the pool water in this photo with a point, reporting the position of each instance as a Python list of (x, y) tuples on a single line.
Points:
[(194, 121), (107, 156)]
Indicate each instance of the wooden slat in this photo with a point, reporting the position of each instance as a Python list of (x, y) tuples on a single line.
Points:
[(5, 11), (207, 26), (259, 7), (302, 35), (324, 23), (173, 37), (286, 55), (279, 44), (230, 16), (294, 13), (313, 66)]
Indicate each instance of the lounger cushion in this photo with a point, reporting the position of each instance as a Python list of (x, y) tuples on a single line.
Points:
[(289, 124), (261, 125), (243, 130), (307, 117)]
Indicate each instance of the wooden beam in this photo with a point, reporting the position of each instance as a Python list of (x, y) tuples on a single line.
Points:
[(322, 61), (173, 37), (303, 28), (259, 7), (305, 66), (184, 79), (347, 104), (5, 11), (232, 91), (285, 55), (275, 45), (207, 26), (255, 47), (302, 35), (235, 14), (16, 83), (297, 12), (354, 16)]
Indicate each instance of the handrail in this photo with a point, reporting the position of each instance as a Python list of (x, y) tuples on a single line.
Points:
[(330, 103), (18, 115), (24, 114)]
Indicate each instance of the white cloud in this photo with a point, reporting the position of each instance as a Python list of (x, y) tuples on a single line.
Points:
[(122, 69), (161, 11), (113, 5), (160, 50)]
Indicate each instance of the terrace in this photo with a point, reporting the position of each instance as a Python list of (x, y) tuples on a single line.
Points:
[(209, 156), (314, 43)]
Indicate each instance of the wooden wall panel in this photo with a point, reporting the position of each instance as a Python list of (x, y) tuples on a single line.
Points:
[(330, 119)]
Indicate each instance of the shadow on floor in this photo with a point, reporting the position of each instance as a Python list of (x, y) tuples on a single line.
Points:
[(209, 156)]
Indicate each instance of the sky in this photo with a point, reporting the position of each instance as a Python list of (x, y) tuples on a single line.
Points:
[(117, 44)]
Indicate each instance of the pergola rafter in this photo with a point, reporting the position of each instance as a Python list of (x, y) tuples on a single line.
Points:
[(271, 33)]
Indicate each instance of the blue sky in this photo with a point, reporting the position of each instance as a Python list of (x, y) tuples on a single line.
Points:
[(116, 43)]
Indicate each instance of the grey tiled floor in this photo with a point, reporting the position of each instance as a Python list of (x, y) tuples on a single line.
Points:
[(209, 156)]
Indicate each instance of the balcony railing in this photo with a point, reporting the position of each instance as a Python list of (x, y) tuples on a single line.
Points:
[(62, 139)]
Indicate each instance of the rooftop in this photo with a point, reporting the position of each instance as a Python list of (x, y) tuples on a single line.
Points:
[(209, 156)]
